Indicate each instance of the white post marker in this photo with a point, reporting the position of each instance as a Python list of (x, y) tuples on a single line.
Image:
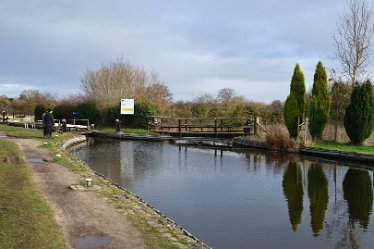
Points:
[(127, 106)]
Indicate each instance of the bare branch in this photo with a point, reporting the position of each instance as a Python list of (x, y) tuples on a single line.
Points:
[(352, 39)]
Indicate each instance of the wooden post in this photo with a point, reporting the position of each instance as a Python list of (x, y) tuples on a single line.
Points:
[(305, 130), (215, 127), (179, 127), (255, 125)]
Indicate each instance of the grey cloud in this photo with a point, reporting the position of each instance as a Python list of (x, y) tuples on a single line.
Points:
[(193, 45)]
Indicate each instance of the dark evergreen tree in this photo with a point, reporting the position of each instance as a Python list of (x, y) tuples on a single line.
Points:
[(359, 115), (294, 107), (319, 110), (38, 112)]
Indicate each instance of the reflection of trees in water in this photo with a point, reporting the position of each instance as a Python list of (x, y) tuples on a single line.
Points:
[(355, 207), (276, 162), (318, 197), (293, 191), (105, 157), (358, 193)]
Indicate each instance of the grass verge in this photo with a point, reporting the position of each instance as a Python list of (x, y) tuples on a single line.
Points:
[(26, 220), (345, 147)]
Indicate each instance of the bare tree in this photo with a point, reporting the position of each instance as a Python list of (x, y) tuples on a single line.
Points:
[(118, 79), (352, 39)]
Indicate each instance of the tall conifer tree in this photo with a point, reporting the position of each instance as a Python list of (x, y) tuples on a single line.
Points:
[(359, 115), (319, 110), (294, 107)]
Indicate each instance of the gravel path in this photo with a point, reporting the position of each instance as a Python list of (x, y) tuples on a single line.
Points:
[(87, 220)]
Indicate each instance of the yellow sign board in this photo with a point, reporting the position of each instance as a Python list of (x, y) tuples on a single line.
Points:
[(127, 106)]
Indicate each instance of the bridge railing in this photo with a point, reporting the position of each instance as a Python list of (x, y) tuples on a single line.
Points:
[(207, 126)]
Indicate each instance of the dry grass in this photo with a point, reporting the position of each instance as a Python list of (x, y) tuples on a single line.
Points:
[(328, 135), (278, 138)]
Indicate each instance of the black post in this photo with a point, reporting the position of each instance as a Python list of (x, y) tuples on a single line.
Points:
[(118, 125), (3, 116)]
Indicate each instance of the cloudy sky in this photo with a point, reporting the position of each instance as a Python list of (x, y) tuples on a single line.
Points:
[(195, 46)]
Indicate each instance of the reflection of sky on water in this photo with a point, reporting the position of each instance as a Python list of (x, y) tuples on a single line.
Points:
[(232, 200)]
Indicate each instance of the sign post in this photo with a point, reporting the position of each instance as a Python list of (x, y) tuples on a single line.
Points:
[(127, 106)]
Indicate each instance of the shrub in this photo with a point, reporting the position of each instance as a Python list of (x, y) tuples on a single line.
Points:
[(38, 111), (88, 111), (358, 120), (63, 111), (138, 120), (278, 138)]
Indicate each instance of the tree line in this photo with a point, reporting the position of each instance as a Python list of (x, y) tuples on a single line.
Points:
[(358, 113)]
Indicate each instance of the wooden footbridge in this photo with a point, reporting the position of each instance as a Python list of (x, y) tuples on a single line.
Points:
[(203, 127)]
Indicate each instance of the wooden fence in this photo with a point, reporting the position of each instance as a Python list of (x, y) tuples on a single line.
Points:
[(208, 127)]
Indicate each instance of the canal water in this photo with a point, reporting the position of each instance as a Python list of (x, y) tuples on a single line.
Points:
[(250, 199)]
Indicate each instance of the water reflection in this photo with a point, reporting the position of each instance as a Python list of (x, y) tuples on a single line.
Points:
[(358, 193), (236, 199), (294, 192), (318, 197)]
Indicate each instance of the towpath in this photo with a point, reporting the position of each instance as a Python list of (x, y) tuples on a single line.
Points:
[(87, 220)]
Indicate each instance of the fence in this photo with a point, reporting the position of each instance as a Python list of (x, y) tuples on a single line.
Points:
[(214, 127)]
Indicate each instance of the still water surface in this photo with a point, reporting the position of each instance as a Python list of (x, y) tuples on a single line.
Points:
[(244, 199)]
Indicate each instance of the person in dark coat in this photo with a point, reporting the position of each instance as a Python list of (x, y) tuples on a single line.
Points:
[(44, 127), (49, 123)]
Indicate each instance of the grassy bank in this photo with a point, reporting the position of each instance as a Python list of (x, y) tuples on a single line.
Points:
[(345, 147), (26, 221)]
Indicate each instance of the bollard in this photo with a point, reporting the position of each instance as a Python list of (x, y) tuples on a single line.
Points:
[(118, 125), (88, 182), (63, 126)]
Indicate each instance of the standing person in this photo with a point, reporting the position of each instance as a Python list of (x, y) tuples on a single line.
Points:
[(44, 126), (49, 123)]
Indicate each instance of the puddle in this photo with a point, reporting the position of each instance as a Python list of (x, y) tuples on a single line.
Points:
[(37, 160), (91, 242), (4, 136)]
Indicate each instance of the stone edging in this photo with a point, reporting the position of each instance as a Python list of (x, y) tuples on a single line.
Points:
[(171, 223), (338, 155), (72, 141)]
